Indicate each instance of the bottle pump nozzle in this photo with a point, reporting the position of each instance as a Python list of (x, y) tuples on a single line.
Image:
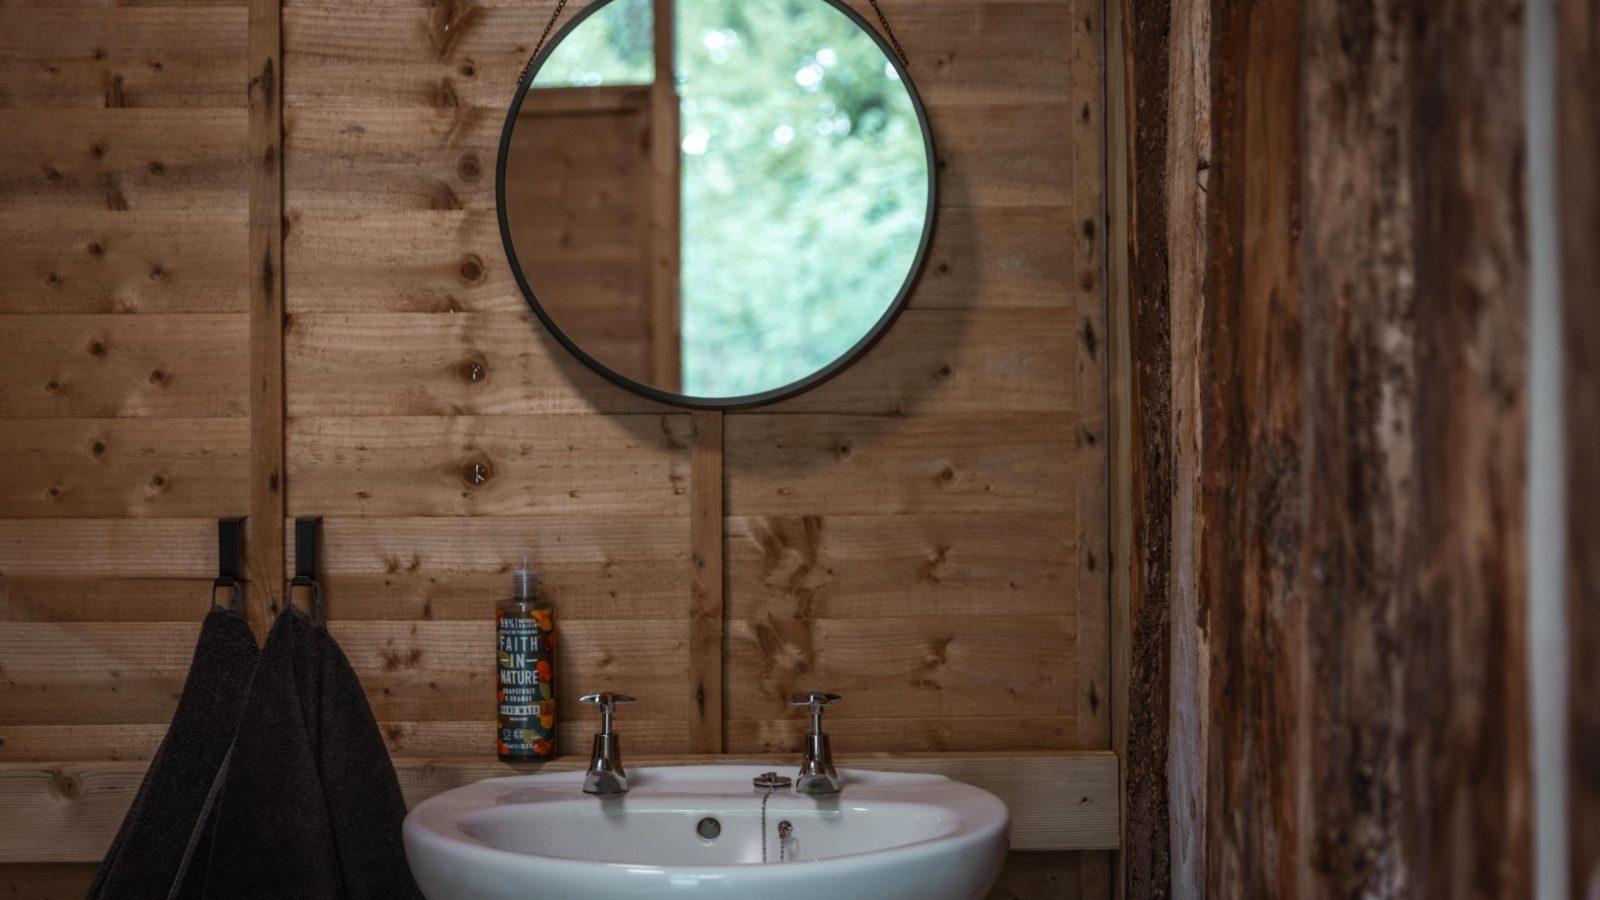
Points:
[(525, 581)]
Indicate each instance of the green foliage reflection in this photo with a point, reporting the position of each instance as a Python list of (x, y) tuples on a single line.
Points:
[(804, 183)]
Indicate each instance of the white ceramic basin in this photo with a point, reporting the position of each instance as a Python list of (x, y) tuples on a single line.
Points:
[(885, 836)]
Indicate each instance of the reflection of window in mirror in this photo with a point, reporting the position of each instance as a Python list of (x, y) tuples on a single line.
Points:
[(789, 196)]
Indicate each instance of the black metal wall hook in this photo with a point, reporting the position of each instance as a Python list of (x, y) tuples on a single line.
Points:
[(306, 530), (230, 539)]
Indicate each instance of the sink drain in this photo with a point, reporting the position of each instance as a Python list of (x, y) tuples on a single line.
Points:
[(709, 828)]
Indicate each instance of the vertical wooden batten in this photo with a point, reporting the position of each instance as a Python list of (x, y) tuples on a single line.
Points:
[(265, 530), (1578, 140), (665, 243), (707, 605), (1119, 418)]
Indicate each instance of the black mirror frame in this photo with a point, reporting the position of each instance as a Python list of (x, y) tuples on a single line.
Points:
[(749, 400)]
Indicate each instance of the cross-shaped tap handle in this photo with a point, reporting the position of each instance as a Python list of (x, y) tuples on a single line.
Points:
[(816, 701), (608, 703)]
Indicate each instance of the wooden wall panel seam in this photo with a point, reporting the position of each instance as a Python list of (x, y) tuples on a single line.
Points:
[(708, 593)]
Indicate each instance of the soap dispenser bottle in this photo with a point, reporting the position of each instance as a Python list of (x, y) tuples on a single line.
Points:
[(525, 634)]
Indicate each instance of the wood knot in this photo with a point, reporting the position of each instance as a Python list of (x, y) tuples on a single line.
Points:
[(160, 377), (95, 249), (99, 53), (52, 386), (944, 268), (945, 370), (97, 349), (51, 173), (158, 481), (469, 167), (476, 472), (67, 785), (157, 272), (158, 168), (54, 492), (469, 69), (947, 474), (472, 268), (98, 448), (473, 369), (53, 280), (98, 151)]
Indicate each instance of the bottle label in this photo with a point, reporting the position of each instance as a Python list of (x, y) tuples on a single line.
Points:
[(527, 705)]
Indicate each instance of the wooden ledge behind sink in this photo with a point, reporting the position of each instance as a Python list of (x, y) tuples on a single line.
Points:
[(69, 812)]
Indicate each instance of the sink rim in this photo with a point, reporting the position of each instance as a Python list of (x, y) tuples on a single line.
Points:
[(977, 816)]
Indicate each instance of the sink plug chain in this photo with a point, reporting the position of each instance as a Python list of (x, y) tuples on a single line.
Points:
[(767, 782), (764, 798), (784, 830)]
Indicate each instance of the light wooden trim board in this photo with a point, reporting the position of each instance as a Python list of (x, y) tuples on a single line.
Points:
[(69, 812)]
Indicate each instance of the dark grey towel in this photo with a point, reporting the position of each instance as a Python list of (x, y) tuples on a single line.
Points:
[(145, 856), (309, 806)]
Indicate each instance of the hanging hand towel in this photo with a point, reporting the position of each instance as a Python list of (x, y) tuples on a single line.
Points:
[(149, 847), (309, 806)]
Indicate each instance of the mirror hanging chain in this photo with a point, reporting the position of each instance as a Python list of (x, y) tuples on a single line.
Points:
[(562, 4), (893, 41), (523, 75)]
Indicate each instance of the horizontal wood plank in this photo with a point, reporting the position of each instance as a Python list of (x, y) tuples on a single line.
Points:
[(98, 261), (66, 597), (928, 666), (69, 812), (490, 465), (101, 742), (1020, 464), (122, 57), (591, 567), (372, 54), (900, 567), (931, 361), (911, 734), (123, 159), (440, 364), (936, 361), (411, 671), (47, 881), (1055, 875), (80, 743), (133, 468), (111, 366), (122, 548)]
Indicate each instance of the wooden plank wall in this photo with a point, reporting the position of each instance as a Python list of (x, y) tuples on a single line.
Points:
[(124, 194), (1332, 462), (959, 467), (926, 533)]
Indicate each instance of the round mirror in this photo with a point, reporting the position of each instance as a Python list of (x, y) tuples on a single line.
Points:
[(716, 203)]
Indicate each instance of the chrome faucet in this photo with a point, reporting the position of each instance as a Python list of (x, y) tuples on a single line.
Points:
[(606, 775), (817, 774)]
